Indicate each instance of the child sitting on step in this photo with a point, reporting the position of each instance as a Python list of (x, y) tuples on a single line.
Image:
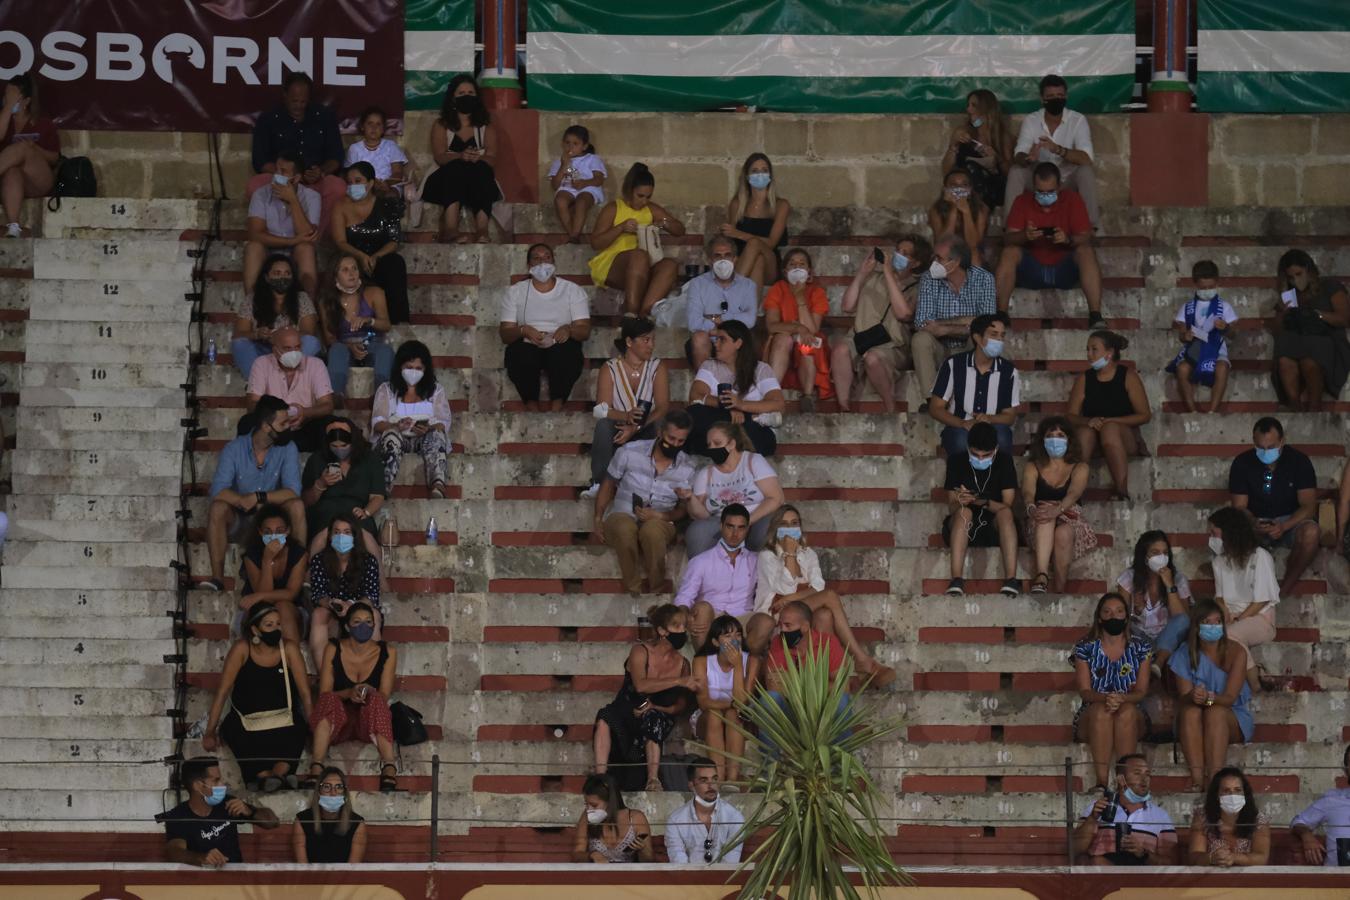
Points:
[(1201, 324)]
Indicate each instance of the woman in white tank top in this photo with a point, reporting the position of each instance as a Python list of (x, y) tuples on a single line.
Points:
[(726, 675)]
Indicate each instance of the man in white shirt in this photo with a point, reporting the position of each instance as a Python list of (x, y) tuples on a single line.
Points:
[(1058, 135), (702, 829), (544, 322), (719, 293), (1332, 810), (1138, 832)]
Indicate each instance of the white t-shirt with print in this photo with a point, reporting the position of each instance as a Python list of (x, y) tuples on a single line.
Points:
[(721, 489)]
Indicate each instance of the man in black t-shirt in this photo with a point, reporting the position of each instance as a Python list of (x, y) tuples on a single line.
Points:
[(981, 487), (1277, 484), (203, 830)]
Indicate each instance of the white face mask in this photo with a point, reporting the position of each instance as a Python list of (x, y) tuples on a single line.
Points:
[(937, 270), (723, 268), (542, 271), (706, 804), (1216, 545), (1232, 803), (351, 290), (292, 358), (595, 816), (1207, 293), (411, 376), (1158, 563), (797, 276)]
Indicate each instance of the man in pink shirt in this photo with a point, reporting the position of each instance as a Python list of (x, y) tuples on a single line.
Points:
[(722, 580), (302, 381)]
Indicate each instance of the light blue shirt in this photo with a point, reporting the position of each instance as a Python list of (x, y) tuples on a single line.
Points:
[(238, 469), (706, 297), (1332, 810), (685, 834)]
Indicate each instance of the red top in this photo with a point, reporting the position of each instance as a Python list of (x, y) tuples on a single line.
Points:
[(42, 130), (814, 640), (1068, 213), (780, 298)]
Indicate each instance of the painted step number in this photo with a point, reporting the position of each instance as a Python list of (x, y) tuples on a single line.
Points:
[(109, 249)]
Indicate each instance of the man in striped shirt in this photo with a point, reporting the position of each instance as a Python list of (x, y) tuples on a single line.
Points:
[(951, 293), (978, 386)]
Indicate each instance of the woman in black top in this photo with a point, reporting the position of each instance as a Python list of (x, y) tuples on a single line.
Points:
[(273, 569), (366, 226), (1107, 404), (757, 221), (1052, 484), (257, 680), (329, 831), (463, 143), (1312, 356)]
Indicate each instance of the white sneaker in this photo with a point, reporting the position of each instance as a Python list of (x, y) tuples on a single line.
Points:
[(13, 230), (590, 492)]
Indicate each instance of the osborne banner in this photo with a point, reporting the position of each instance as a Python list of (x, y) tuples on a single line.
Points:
[(825, 57), (187, 65), (437, 46), (1263, 57)]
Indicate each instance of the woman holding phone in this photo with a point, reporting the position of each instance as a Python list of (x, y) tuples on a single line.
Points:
[(632, 394), (735, 387), (411, 414)]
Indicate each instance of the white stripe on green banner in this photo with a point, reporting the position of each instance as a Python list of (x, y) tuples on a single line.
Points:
[(437, 45), (1274, 51), (438, 51)]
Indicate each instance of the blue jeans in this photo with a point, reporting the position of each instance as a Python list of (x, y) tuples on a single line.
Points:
[(954, 439), (380, 358), (777, 698), (246, 350), (1173, 634)]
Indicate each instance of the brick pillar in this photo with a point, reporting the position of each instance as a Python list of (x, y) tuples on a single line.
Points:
[(499, 80), (1169, 90)]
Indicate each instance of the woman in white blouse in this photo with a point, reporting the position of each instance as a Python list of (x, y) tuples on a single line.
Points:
[(725, 674), (632, 395), (737, 475), (1245, 586), (411, 414), (790, 570), (734, 386)]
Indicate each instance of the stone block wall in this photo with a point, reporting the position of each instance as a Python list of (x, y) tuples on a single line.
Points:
[(1279, 160)]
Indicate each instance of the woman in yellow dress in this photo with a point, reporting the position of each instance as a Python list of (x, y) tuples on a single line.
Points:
[(620, 264)]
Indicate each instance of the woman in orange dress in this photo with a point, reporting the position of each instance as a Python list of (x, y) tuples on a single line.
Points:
[(794, 312)]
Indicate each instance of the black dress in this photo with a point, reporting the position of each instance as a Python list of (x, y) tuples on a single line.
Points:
[(381, 227), (326, 845), (258, 689), (473, 184), (760, 228), (1304, 336), (1106, 399), (629, 732)]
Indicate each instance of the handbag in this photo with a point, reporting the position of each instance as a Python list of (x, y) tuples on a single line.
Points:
[(408, 727), (74, 178), (649, 240), (872, 337), (272, 719)]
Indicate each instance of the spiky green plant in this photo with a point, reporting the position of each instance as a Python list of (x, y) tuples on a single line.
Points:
[(817, 805)]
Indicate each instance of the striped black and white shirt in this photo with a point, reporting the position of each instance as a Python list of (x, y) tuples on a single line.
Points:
[(969, 392)]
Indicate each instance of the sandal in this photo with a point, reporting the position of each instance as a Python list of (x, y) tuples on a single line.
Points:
[(1041, 584), (653, 784), (438, 491), (388, 783)]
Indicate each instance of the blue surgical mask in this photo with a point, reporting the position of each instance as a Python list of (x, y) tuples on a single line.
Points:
[(280, 180), (759, 180), (993, 348), (216, 796), (358, 191), (1047, 198), (1131, 796), (977, 122), (899, 261), (1056, 447), (362, 631), (331, 802), (343, 543), (978, 464), (1268, 455), (1100, 362), (794, 533), (730, 548), (274, 539), (1211, 631)]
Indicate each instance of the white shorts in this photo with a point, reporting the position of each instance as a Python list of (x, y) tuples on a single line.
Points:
[(596, 193)]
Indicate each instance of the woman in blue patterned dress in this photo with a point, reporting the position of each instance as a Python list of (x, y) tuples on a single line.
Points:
[(1112, 666)]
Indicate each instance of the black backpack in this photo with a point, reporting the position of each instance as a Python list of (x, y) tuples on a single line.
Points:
[(408, 727), (74, 178)]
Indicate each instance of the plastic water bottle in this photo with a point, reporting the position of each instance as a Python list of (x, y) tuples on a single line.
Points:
[(433, 533), (211, 351)]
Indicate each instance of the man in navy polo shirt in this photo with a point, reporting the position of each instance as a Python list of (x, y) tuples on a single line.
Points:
[(1277, 484)]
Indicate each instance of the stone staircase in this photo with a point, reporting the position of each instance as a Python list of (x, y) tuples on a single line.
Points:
[(512, 629)]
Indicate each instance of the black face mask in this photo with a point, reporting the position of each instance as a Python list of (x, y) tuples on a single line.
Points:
[(792, 638), (1114, 627), (677, 639), (466, 103), (718, 455), (667, 451), (280, 285), (1055, 105), (270, 638)]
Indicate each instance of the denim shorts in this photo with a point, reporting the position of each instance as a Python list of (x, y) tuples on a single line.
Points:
[(1035, 275)]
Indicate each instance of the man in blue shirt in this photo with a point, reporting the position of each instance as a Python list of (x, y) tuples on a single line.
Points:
[(255, 469), (302, 130), (717, 295)]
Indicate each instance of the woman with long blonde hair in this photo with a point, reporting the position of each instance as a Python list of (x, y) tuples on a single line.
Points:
[(757, 221)]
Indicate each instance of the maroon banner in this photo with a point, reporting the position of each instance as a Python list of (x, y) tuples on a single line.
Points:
[(188, 65)]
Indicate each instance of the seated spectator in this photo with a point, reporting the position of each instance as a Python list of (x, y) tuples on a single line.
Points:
[(794, 314), (276, 302), (393, 171), (411, 414), (982, 147), (1277, 484), (1111, 670), (1330, 811), (1158, 596), (797, 636), (1150, 838), (1312, 355), (1228, 830), (726, 675), (881, 298), (1107, 405), (657, 687), (703, 829), (341, 576), (1244, 580), (273, 569), (1053, 482), (640, 500), (578, 181), (608, 831), (345, 479), (464, 146), (283, 217), (356, 680), (255, 469), (721, 581), (621, 263), (981, 487), (329, 831), (355, 319), (738, 476), (1342, 511), (544, 322), (788, 571), (1212, 693), (632, 395), (952, 292), (30, 148), (959, 210), (757, 221), (1201, 324), (203, 830), (300, 382), (1060, 137), (1047, 243), (264, 678), (299, 129), (366, 227), (735, 387), (981, 385), (719, 294)]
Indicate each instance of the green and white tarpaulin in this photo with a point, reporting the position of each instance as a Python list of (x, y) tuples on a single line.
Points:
[(1288, 56), (437, 46), (828, 56)]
